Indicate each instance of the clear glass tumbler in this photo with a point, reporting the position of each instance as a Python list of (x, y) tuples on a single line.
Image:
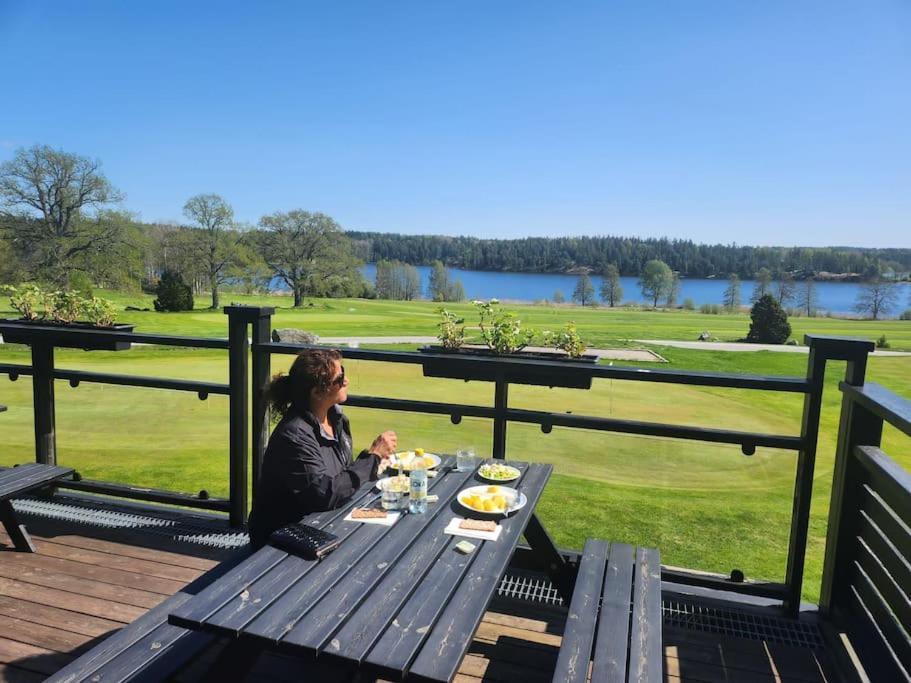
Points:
[(465, 459), (392, 500)]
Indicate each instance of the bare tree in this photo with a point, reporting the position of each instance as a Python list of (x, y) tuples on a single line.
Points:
[(732, 293), (806, 296), (218, 244), (876, 297), (785, 289), (48, 197)]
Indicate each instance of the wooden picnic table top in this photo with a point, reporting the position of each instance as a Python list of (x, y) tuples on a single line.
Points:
[(399, 601), (21, 479)]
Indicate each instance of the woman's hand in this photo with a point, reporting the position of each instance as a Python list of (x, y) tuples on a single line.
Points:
[(384, 445)]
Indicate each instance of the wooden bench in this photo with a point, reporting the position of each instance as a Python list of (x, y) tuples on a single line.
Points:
[(149, 649), (14, 481), (614, 618)]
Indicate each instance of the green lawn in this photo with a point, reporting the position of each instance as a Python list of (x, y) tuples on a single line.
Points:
[(706, 506)]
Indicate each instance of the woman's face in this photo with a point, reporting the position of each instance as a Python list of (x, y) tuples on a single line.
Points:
[(338, 387)]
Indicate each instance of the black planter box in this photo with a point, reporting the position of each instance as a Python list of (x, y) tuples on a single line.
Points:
[(539, 368), (78, 335)]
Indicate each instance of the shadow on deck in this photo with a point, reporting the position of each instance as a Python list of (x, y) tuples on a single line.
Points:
[(99, 567)]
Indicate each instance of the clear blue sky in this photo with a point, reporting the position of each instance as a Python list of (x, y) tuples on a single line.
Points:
[(732, 121)]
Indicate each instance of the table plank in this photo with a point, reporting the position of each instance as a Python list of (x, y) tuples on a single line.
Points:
[(646, 657), (328, 615), (450, 636), (286, 607), (194, 613), (18, 480)]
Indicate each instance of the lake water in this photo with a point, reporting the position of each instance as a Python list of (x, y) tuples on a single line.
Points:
[(837, 297)]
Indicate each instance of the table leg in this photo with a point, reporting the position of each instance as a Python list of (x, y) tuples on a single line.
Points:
[(21, 540), (234, 663), (542, 545)]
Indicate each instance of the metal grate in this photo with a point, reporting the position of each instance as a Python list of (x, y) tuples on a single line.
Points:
[(738, 624), (101, 514), (530, 587)]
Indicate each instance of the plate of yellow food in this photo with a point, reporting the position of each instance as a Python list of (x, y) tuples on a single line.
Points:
[(398, 483), (492, 500), (494, 471), (405, 461)]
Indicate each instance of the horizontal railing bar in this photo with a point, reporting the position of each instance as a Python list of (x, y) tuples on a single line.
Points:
[(712, 379), (148, 382), (13, 369), (889, 479), (656, 429), (881, 402), (149, 495), (100, 336), (760, 589), (406, 405)]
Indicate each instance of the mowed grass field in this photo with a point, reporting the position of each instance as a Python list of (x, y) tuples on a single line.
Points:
[(707, 507)]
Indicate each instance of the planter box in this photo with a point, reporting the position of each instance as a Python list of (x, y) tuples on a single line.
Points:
[(539, 368), (78, 335)]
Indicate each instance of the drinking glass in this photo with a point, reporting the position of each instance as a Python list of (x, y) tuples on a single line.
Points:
[(392, 500), (465, 457)]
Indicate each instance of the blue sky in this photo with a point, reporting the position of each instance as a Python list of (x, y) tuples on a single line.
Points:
[(731, 121)]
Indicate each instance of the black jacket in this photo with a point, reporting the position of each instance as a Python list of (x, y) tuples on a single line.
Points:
[(305, 470)]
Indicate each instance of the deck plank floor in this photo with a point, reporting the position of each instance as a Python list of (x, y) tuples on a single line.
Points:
[(83, 584)]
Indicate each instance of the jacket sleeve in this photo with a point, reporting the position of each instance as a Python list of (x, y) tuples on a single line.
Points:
[(307, 477)]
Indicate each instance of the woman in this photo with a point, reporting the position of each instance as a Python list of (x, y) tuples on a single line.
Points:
[(308, 465)]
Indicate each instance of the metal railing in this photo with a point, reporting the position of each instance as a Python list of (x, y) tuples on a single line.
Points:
[(245, 377)]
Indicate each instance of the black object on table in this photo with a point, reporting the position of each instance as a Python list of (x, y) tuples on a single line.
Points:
[(14, 481), (394, 601)]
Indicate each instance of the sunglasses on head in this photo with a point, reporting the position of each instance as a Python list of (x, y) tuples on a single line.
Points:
[(340, 380)]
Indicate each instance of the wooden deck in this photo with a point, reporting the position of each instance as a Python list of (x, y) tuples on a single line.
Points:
[(83, 583)]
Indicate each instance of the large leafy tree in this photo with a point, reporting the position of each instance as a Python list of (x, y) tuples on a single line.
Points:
[(303, 247), (218, 244), (655, 280), (611, 289), (51, 201)]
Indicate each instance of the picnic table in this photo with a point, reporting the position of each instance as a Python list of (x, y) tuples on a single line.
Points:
[(396, 602)]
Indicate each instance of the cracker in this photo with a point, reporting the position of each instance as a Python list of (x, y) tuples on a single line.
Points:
[(368, 513), (477, 525)]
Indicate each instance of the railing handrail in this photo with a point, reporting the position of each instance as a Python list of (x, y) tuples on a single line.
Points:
[(883, 403)]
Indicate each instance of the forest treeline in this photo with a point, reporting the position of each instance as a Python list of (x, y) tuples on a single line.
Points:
[(629, 254)]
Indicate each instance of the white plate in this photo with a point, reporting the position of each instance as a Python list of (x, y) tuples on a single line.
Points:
[(408, 456), (515, 474), (383, 484), (515, 499)]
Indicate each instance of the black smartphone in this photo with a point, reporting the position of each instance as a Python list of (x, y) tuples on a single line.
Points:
[(304, 540)]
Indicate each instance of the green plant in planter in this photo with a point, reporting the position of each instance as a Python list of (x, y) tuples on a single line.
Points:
[(567, 340), (26, 299), (100, 312), (67, 306), (452, 330), (502, 330)]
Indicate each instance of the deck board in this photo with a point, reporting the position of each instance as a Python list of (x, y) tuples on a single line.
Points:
[(79, 587)]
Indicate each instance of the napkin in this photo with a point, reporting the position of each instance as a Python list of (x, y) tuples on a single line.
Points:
[(454, 530), (390, 519)]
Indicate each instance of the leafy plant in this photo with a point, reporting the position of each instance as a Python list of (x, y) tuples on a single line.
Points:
[(882, 343), (452, 330), (502, 330), (26, 299), (100, 312), (567, 340), (66, 306)]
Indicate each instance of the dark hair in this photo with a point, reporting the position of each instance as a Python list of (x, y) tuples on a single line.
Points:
[(312, 369)]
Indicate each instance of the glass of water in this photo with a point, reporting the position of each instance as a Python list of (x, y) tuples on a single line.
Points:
[(392, 500), (465, 458)]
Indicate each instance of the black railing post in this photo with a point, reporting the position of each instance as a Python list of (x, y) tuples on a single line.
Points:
[(262, 369), (856, 426), (500, 400), (822, 349), (43, 403), (238, 351)]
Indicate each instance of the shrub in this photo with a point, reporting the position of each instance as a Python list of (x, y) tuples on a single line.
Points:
[(173, 293), (710, 309), (906, 315), (452, 330), (81, 283), (99, 312), (68, 306), (567, 340), (882, 343), (689, 304), (769, 322)]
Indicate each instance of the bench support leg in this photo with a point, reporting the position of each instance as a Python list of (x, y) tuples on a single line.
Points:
[(21, 540), (543, 547)]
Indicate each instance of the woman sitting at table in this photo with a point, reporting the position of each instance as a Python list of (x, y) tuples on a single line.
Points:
[(308, 465)]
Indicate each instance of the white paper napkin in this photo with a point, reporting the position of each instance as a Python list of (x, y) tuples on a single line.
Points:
[(390, 519), (454, 530)]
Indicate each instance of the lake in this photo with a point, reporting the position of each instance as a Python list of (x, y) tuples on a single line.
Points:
[(837, 297)]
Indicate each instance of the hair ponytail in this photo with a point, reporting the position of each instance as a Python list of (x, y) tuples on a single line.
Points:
[(312, 369)]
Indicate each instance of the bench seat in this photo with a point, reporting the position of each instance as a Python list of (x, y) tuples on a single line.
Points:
[(614, 621)]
